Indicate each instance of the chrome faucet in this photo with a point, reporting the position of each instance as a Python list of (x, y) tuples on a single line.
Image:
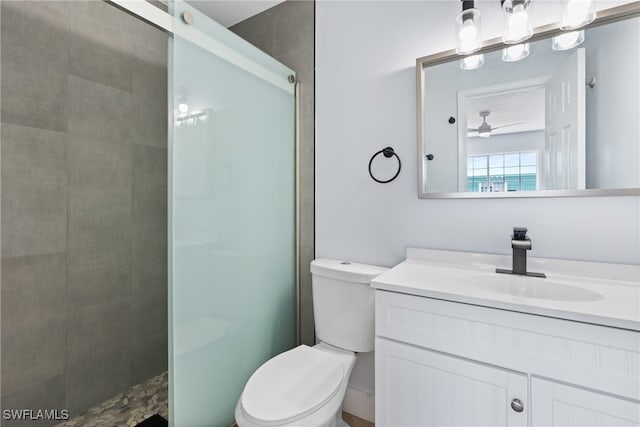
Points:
[(520, 243)]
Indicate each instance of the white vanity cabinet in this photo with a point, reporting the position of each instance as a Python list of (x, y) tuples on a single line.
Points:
[(443, 363), (557, 404), (419, 387)]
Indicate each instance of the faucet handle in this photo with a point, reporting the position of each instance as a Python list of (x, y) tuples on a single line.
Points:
[(519, 233)]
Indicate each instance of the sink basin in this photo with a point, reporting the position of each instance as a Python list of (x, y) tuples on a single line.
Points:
[(592, 292), (529, 287)]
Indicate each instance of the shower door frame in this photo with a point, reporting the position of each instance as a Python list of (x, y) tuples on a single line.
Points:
[(165, 21)]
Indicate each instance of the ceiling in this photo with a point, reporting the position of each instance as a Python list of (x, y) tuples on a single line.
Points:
[(230, 12), (523, 105)]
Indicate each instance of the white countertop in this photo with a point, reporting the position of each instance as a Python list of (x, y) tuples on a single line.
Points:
[(451, 276)]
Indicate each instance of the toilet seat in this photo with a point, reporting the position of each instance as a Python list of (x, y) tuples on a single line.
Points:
[(292, 385)]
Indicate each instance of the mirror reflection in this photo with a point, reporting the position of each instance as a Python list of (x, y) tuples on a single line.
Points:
[(534, 118)]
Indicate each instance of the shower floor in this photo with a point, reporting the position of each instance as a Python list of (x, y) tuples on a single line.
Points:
[(129, 408), (142, 401)]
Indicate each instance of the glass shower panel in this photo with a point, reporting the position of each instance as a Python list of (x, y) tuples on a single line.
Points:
[(232, 217)]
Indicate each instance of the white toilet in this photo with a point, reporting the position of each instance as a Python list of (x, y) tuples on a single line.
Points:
[(305, 386)]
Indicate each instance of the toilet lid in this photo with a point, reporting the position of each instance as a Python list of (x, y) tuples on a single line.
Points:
[(292, 385)]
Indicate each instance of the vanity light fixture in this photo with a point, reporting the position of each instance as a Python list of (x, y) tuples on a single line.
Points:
[(468, 29), (517, 29), (472, 62), (515, 53), (566, 41), (577, 13), (517, 25)]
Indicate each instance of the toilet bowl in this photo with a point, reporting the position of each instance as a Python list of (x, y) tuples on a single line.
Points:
[(305, 386)]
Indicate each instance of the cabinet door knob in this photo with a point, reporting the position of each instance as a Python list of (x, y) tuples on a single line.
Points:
[(517, 405)]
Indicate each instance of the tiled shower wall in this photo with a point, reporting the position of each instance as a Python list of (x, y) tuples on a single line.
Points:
[(286, 32), (83, 192)]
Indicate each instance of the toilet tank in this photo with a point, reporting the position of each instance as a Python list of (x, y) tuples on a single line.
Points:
[(343, 303)]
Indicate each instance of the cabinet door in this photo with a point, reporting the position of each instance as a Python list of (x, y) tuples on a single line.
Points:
[(555, 404), (418, 387)]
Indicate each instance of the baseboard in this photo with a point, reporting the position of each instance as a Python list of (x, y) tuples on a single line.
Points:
[(359, 403)]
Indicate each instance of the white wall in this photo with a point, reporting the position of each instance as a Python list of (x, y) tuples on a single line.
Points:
[(613, 151), (366, 100)]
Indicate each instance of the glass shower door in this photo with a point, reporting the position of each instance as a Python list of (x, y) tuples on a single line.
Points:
[(232, 217)]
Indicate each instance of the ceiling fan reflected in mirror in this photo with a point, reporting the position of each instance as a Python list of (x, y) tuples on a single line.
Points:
[(485, 129)]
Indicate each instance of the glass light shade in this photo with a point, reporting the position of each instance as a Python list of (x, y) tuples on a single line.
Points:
[(468, 31), (515, 53), (577, 13), (472, 62), (566, 41), (517, 25)]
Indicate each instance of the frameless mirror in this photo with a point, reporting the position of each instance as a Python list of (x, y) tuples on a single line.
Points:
[(561, 121)]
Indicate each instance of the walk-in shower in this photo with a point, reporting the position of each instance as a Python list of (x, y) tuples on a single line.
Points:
[(148, 212)]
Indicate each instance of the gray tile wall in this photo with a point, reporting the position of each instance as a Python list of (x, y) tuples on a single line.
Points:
[(84, 203), (286, 32)]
